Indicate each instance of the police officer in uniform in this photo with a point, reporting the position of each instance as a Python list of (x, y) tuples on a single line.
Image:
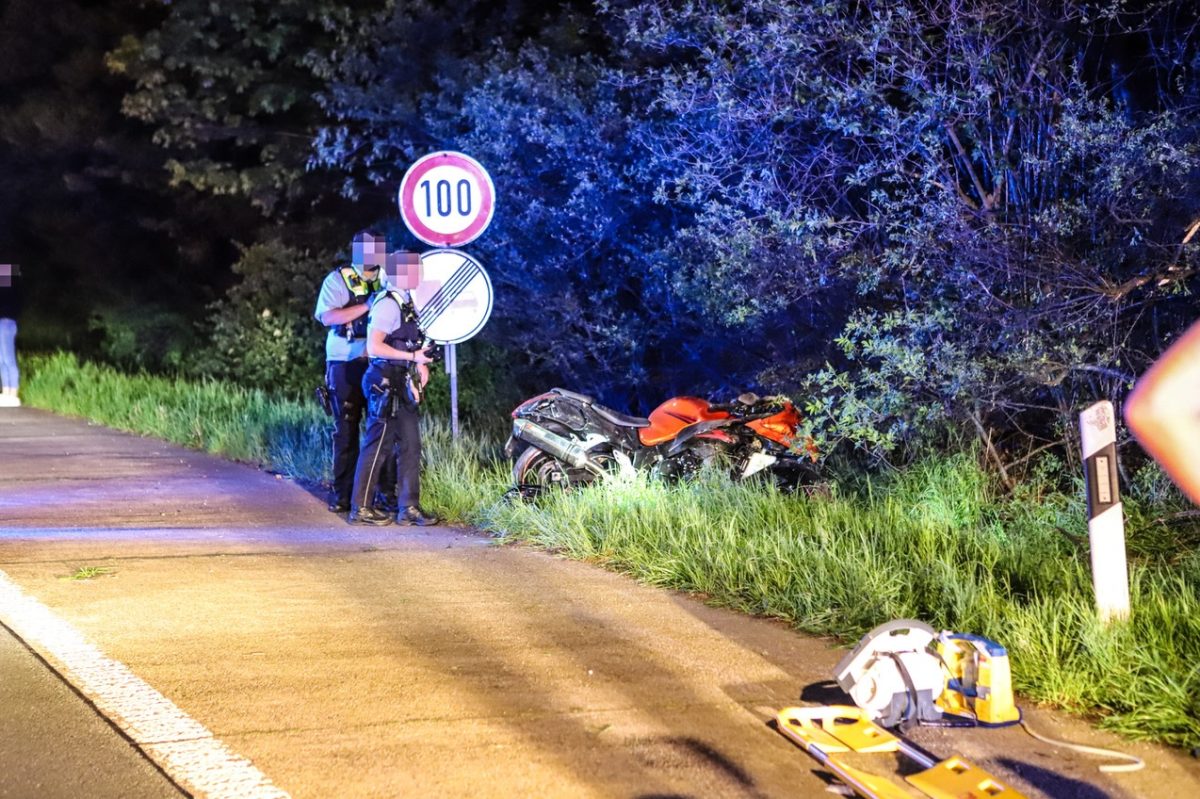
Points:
[(342, 307), (393, 385)]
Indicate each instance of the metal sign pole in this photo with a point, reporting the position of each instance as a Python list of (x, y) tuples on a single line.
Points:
[(452, 370), (1106, 520)]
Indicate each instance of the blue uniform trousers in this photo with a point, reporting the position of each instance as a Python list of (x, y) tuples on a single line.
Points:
[(344, 379), (393, 440)]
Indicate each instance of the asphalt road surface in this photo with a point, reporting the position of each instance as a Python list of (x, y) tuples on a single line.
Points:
[(332, 660), (53, 743)]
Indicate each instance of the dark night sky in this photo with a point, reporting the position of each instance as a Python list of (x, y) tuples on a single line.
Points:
[(84, 206)]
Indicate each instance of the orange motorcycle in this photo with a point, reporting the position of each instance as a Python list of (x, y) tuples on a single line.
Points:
[(561, 439)]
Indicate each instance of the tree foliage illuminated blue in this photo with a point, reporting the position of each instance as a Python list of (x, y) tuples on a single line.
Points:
[(914, 215)]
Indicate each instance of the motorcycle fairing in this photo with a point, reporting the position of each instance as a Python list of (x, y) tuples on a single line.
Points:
[(706, 429), (616, 417), (582, 399), (779, 427), (549, 407), (668, 419)]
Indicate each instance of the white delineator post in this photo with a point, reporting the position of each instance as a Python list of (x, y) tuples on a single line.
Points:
[(1106, 521)]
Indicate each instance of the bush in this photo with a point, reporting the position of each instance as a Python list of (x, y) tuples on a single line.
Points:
[(149, 338), (263, 333)]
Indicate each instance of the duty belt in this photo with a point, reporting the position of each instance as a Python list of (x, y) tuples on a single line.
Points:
[(390, 363)]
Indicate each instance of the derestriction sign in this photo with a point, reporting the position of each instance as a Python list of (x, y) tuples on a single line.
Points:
[(454, 299)]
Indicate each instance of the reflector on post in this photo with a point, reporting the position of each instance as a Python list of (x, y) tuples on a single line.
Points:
[(1106, 521)]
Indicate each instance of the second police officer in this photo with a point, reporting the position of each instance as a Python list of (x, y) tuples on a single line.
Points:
[(342, 307), (393, 384)]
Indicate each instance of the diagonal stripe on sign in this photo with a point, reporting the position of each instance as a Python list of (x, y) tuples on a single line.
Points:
[(447, 294), (449, 291), (440, 302)]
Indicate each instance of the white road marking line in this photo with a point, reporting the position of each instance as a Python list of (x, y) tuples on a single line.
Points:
[(176, 742)]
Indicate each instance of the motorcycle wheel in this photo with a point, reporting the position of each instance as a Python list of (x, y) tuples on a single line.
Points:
[(686, 465), (536, 472)]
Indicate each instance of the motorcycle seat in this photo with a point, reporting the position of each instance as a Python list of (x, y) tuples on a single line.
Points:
[(620, 419), (582, 399)]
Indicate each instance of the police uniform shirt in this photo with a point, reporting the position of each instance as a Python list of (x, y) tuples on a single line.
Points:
[(334, 294)]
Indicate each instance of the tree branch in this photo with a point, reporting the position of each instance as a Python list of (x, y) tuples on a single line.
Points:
[(984, 197)]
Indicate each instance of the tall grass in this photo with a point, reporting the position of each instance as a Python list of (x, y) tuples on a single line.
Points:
[(250, 425), (222, 418), (934, 542), (931, 543)]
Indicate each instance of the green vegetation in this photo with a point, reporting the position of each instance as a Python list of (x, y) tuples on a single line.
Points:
[(89, 573), (218, 417), (976, 215), (937, 541)]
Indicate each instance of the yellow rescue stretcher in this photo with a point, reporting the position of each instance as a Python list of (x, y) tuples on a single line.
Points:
[(830, 730)]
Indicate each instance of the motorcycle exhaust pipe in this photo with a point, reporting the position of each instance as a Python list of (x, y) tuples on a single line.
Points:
[(562, 448)]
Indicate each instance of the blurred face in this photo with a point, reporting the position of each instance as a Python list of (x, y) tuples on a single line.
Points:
[(368, 255), (403, 270)]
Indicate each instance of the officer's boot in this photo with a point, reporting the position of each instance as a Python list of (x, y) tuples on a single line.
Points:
[(368, 515), (414, 515)]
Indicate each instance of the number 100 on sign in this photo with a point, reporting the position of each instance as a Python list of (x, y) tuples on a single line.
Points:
[(446, 199), (449, 200)]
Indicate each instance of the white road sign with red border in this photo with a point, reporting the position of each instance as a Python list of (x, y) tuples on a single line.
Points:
[(447, 199), (454, 298)]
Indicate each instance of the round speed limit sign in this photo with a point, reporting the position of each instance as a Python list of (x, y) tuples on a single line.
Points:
[(454, 298), (446, 199)]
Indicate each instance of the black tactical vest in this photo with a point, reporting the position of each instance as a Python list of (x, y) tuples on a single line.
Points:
[(407, 337)]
